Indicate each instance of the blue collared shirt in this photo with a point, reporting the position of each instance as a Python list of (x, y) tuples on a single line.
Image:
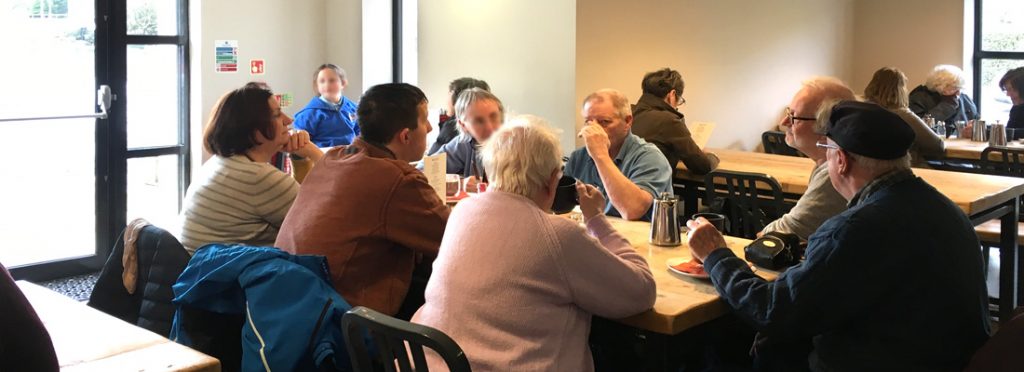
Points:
[(462, 157), (638, 160)]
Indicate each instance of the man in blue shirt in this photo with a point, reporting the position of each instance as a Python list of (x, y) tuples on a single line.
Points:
[(629, 171)]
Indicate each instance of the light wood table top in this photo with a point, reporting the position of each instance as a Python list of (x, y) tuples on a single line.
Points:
[(87, 339), (962, 148), (682, 302), (973, 193)]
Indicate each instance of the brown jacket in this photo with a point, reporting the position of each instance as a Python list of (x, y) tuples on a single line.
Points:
[(370, 215), (664, 126)]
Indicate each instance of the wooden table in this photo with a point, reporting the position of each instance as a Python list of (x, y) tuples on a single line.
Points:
[(981, 197), (965, 149), (87, 339), (682, 302)]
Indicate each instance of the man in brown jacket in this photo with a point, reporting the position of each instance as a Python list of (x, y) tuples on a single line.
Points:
[(367, 210), (656, 120)]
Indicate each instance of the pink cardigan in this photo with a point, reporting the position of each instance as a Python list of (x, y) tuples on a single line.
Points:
[(516, 287)]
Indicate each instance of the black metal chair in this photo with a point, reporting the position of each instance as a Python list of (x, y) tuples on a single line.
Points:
[(1003, 161), (748, 207), (395, 341), (774, 142)]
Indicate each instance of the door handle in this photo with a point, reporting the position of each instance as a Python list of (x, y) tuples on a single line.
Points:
[(103, 99)]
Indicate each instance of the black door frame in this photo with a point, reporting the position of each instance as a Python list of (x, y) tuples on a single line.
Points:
[(112, 154)]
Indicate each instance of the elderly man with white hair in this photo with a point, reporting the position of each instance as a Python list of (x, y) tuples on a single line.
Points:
[(543, 276), (803, 131), (894, 283), (629, 171), (942, 96)]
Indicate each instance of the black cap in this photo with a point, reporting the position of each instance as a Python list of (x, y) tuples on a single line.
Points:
[(869, 130)]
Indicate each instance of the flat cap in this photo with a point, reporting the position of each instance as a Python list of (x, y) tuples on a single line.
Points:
[(869, 130)]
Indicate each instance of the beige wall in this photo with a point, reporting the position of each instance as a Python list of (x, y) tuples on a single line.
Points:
[(912, 35), (344, 42), (288, 35), (742, 60), (524, 50)]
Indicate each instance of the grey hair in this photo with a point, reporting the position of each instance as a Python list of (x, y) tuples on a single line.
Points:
[(944, 78), (520, 157), (618, 100), (826, 89), (881, 166), (470, 96)]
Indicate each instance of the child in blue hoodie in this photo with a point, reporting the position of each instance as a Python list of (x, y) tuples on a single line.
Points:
[(330, 118)]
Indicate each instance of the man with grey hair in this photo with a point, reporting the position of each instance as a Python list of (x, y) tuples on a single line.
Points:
[(479, 114), (894, 283), (803, 130), (629, 171), (942, 97)]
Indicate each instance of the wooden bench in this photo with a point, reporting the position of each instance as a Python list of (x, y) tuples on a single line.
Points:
[(988, 232)]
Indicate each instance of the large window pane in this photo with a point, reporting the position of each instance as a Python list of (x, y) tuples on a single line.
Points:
[(152, 17), (1002, 26), (995, 105), (153, 189), (152, 95), (48, 193)]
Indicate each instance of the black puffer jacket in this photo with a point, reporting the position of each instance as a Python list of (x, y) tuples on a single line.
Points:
[(161, 259), (925, 101)]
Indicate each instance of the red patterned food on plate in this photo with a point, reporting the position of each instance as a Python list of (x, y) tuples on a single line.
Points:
[(691, 267)]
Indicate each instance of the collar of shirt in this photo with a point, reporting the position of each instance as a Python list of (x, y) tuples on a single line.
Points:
[(880, 183), (334, 106), (628, 145)]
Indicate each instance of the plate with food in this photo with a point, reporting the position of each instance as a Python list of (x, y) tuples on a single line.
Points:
[(687, 267)]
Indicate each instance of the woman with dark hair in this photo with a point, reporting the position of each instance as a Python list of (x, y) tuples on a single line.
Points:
[(1013, 84), (238, 196), (888, 88)]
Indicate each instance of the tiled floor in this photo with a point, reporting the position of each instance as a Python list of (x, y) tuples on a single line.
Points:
[(76, 287)]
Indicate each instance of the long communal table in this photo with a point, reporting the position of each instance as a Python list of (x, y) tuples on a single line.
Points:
[(981, 197)]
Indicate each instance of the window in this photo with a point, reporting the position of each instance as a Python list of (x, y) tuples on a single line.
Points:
[(998, 47)]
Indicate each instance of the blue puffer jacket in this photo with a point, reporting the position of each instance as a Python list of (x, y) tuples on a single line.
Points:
[(292, 313), (329, 126)]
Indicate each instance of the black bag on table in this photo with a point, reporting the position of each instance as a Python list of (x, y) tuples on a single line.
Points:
[(775, 251)]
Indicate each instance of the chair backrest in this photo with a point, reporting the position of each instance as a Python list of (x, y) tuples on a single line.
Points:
[(395, 341), (774, 142), (752, 200), (1003, 161)]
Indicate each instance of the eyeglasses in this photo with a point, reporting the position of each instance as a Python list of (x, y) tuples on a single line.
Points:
[(827, 145), (793, 118), (680, 101)]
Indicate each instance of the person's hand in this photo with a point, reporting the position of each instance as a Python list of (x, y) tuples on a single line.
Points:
[(596, 140), (592, 202), (296, 140), (703, 238), (472, 184)]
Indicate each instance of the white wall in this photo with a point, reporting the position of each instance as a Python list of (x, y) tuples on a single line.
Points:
[(741, 60), (912, 35), (524, 49), (288, 35), (344, 42)]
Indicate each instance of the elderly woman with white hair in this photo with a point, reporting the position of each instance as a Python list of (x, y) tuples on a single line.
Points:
[(942, 96), (514, 285)]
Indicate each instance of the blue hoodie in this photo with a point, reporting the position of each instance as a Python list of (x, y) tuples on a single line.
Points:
[(292, 313), (329, 125)]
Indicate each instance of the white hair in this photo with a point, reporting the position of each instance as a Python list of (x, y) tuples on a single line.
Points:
[(944, 78), (826, 89), (521, 156), (618, 100), (470, 96)]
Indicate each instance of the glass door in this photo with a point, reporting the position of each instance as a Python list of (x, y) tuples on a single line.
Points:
[(51, 181)]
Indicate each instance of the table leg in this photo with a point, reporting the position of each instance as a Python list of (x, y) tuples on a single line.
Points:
[(1009, 289)]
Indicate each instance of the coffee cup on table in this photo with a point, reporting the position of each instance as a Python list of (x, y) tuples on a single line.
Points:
[(716, 220), (565, 196), (452, 184)]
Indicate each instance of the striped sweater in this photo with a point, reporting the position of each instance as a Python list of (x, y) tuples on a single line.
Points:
[(235, 200)]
